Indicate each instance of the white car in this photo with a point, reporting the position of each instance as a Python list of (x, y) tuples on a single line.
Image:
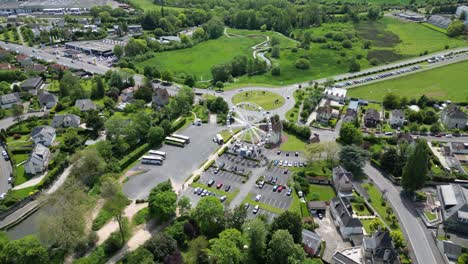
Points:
[(255, 210), (258, 197), (290, 164), (2, 196), (448, 136)]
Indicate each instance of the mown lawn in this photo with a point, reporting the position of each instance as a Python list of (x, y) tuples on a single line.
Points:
[(445, 83), (325, 192), (23, 193), (199, 59), (292, 143), (265, 99), (148, 5), (20, 175), (377, 203), (285, 42)]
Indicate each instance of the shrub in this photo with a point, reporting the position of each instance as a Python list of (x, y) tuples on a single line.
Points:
[(302, 64), (276, 71), (196, 178)]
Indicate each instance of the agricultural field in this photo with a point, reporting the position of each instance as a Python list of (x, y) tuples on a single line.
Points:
[(199, 59), (266, 100), (445, 83)]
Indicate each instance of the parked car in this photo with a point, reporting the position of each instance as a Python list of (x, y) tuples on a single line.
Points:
[(296, 164), (449, 136), (320, 216), (219, 185), (228, 188), (216, 170), (289, 192), (278, 152), (210, 183), (222, 198), (285, 172), (204, 193), (280, 188), (287, 154), (195, 191), (275, 180), (296, 154), (258, 197), (275, 188), (10, 179), (261, 184), (2, 196), (255, 210), (246, 206), (276, 163), (388, 133), (200, 191)]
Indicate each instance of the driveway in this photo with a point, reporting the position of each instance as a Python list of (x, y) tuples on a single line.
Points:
[(330, 235)]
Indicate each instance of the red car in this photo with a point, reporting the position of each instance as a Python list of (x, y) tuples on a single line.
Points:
[(219, 185), (280, 189)]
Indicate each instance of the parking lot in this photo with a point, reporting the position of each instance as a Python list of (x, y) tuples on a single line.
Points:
[(276, 199), (330, 234), (267, 214), (237, 163)]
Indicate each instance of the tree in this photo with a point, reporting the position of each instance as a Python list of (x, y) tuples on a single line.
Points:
[(376, 224), (282, 249), (71, 140), (214, 28), (391, 101), (373, 13), (166, 126), (98, 89), (167, 76), (118, 51), (415, 171), (94, 121), (256, 233), (463, 258), (155, 135), (184, 205), (209, 215), (353, 159), (389, 160), (221, 72), (139, 256), (354, 66), (235, 218), (162, 202), (275, 52), (290, 221), (463, 16), (26, 250), (455, 28), (227, 248), (349, 134), (88, 166), (111, 190), (347, 44), (189, 80), (17, 111), (162, 246), (398, 239), (135, 47), (70, 85), (302, 64)]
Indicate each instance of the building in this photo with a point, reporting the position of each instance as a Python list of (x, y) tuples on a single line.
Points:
[(350, 115), (8, 100), (85, 105), (44, 135), (317, 207), (411, 16), (326, 112), (451, 250), (458, 148), (460, 10), (311, 242), (342, 214), (351, 255), (439, 21), (397, 118), (93, 47), (38, 160), (342, 181), (336, 94), (32, 85), (134, 29), (160, 96), (371, 118), (379, 249), (64, 121), (454, 199), (127, 94), (24, 60), (47, 100), (38, 68), (453, 117), (6, 67), (169, 39)]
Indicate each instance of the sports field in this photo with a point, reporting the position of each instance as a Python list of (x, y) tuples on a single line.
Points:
[(199, 59), (265, 99), (446, 83)]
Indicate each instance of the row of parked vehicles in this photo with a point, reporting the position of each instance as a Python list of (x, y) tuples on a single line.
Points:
[(285, 163), (380, 76), (204, 192), (276, 187)]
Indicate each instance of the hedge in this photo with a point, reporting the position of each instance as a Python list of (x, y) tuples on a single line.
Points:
[(208, 165), (178, 124), (134, 155), (196, 178), (221, 151)]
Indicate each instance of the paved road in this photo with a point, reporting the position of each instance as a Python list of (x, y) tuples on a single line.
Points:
[(423, 246), (5, 169)]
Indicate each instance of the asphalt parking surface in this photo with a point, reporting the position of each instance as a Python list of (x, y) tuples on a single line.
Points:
[(275, 199), (330, 234), (5, 171), (269, 215), (224, 177), (179, 163), (278, 172)]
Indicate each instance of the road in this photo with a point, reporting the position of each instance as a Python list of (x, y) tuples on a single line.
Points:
[(423, 246)]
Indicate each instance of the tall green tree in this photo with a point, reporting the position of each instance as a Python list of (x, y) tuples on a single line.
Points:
[(98, 89), (26, 250), (162, 202), (282, 249), (353, 158), (209, 215), (415, 171), (455, 28), (256, 233), (111, 190), (349, 134), (227, 248), (290, 221)]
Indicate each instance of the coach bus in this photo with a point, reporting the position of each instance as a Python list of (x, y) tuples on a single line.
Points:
[(157, 153), (154, 160), (175, 141), (185, 138)]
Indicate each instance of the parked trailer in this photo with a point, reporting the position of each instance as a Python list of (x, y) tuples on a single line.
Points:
[(187, 139), (154, 160), (175, 141), (157, 153)]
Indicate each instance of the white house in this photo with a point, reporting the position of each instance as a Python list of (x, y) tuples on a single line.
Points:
[(342, 213), (336, 94), (38, 160), (453, 117), (397, 118), (460, 10), (342, 182), (44, 135)]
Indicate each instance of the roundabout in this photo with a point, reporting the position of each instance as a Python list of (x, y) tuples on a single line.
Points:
[(265, 99)]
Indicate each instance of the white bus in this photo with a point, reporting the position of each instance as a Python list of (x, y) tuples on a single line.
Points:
[(175, 141), (157, 153), (156, 160), (219, 139), (185, 138)]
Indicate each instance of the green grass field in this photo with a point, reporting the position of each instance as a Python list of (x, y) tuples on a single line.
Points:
[(285, 42), (292, 143), (199, 59), (148, 5), (266, 100), (446, 83), (325, 192)]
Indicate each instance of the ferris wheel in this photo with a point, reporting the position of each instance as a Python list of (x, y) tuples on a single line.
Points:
[(250, 125)]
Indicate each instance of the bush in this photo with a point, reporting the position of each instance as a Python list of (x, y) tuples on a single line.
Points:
[(113, 243), (302, 64), (134, 155), (196, 178), (276, 71)]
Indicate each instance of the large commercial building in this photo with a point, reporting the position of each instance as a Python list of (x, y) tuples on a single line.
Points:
[(11, 7), (93, 47)]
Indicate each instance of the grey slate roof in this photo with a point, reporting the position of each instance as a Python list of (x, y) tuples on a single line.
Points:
[(46, 98), (338, 257), (85, 104), (68, 120), (344, 210), (371, 113), (31, 83), (9, 98), (454, 112), (311, 239), (397, 113)]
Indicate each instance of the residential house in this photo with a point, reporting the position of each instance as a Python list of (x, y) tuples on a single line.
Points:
[(317, 207), (371, 118), (44, 135), (47, 100), (6, 67), (64, 121), (454, 203), (451, 250), (38, 160), (85, 105), (336, 94), (311, 242), (453, 117), (8, 100), (58, 67), (342, 181), (379, 249), (24, 60), (135, 29), (351, 255), (127, 94), (32, 85), (350, 115), (397, 118), (458, 148), (326, 112), (342, 214), (160, 96), (37, 68)]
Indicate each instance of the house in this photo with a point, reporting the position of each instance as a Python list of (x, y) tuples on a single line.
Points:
[(6, 67), (160, 96), (451, 250), (311, 242), (453, 117), (350, 115), (326, 112), (379, 249), (439, 21), (47, 100), (336, 94), (342, 214), (85, 105), (32, 85), (127, 94), (397, 118), (317, 207), (371, 118), (24, 60), (64, 121), (39, 68), (342, 182), (454, 203), (351, 255), (458, 148), (134, 29), (44, 135), (57, 67), (38, 160), (460, 10), (8, 100)]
